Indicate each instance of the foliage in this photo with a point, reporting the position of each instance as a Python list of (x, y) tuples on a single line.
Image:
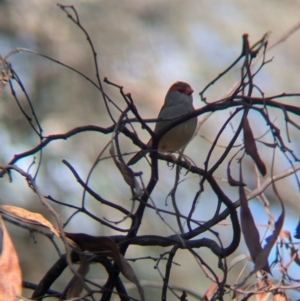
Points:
[(190, 234)]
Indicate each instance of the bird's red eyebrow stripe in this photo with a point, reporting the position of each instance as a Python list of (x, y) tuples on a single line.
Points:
[(182, 87)]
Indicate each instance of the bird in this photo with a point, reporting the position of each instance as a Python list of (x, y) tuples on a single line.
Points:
[(178, 102)]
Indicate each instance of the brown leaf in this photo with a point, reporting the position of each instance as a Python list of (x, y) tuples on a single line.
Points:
[(126, 172), (263, 296), (210, 292), (28, 217), (5, 75), (107, 247), (128, 272), (75, 286), (261, 287), (250, 147), (95, 244), (280, 297), (286, 234), (11, 276), (259, 255), (264, 254), (250, 231)]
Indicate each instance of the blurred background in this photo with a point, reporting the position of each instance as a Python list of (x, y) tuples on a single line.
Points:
[(143, 46)]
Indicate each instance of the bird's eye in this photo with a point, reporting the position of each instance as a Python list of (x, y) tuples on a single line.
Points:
[(181, 89)]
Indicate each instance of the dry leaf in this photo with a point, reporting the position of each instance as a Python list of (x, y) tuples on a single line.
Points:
[(128, 272), (261, 287), (75, 286), (280, 297), (263, 297), (210, 292), (5, 76), (28, 217), (126, 172), (97, 244), (264, 254), (11, 276), (250, 147), (250, 231), (259, 255), (286, 234), (94, 244)]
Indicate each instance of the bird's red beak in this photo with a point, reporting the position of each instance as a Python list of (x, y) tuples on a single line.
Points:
[(189, 91)]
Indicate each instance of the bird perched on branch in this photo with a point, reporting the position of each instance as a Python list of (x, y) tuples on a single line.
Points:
[(178, 102)]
